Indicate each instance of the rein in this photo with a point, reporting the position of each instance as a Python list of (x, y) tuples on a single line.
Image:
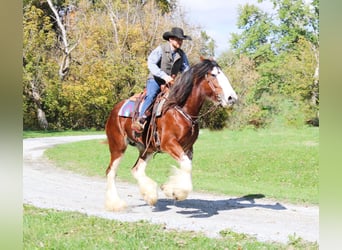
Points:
[(193, 118)]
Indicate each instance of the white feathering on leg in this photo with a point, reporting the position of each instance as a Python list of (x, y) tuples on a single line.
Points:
[(179, 184), (147, 186), (113, 201)]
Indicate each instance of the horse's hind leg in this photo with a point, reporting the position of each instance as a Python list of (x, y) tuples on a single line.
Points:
[(113, 201), (148, 187), (117, 146)]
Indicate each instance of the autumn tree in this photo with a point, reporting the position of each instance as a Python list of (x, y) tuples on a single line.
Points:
[(82, 62), (38, 65)]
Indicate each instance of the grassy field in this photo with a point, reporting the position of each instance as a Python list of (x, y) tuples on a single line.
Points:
[(280, 164), (51, 229)]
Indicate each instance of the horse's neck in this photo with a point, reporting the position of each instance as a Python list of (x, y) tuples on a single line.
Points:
[(194, 102)]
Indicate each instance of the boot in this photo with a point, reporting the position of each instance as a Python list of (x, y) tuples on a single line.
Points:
[(139, 124)]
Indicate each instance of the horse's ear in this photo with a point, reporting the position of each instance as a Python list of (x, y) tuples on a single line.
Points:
[(202, 58)]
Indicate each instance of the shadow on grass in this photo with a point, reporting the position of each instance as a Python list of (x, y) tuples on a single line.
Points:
[(197, 208)]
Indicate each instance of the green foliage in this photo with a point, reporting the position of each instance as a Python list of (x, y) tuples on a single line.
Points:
[(257, 29), (166, 6), (213, 118), (112, 40), (280, 65), (282, 112), (38, 66), (208, 45)]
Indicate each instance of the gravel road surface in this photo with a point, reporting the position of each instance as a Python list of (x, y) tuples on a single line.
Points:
[(46, 186)]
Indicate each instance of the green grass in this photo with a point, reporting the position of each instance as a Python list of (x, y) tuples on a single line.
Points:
[(52, 229), (280, 164)]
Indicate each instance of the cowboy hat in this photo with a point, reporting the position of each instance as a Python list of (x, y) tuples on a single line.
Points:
[(176, 32)]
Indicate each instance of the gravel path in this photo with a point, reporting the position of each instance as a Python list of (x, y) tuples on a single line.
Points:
[(47, 186)]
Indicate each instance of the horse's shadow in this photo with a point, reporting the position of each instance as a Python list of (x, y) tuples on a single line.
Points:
[(197, 208)]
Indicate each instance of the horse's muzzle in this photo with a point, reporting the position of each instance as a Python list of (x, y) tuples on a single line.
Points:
[(231, 100)]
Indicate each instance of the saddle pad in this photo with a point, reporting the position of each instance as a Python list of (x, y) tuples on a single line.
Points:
[(127, 108)]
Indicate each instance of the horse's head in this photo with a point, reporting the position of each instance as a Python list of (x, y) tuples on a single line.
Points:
[(221, 90), (209, 82)]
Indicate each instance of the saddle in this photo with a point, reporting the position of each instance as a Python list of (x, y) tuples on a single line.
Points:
[(131, 108)]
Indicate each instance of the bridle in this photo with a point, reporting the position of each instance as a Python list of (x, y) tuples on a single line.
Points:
[(214, 87), (193, 119)]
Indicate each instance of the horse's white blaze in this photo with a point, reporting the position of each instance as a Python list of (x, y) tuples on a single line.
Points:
[(228, 91)]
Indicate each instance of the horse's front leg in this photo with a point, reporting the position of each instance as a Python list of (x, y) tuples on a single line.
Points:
[(179, 184), (148, 187)]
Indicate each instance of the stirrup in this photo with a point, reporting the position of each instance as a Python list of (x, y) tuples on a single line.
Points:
[(137, 126)]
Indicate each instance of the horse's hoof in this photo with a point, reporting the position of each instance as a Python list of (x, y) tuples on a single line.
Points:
[(116, 206), (148, 190), (151, 201), (180, 195), (150, 198), (174, 193)]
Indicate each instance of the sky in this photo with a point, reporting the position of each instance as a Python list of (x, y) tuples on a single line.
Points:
[(218, 17)]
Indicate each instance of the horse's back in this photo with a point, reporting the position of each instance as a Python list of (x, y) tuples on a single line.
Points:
[(114, 112), (118, 126)]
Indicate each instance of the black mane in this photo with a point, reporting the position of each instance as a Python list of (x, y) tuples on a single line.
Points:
[(181, 89)]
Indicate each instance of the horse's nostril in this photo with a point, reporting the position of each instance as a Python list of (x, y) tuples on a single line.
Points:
[(231, 100)]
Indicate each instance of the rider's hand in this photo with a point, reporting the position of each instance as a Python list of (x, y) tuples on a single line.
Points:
[(168, 79)]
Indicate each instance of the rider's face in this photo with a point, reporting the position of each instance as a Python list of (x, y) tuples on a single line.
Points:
[(176, 42)]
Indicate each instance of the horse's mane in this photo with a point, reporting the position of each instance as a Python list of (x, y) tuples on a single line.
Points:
[(181, 89)]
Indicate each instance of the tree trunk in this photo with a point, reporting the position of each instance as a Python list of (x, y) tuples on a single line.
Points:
[(315, 85), (42, 122), (66, 48)]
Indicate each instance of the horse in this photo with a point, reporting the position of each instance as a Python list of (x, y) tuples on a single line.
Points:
[(177, 129)]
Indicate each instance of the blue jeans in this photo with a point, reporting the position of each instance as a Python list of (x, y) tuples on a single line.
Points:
[(152, 90)]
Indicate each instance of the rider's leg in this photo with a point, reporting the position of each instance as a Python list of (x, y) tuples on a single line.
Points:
[(152, 90)]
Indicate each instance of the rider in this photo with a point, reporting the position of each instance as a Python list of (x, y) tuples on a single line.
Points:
[(164, 63)]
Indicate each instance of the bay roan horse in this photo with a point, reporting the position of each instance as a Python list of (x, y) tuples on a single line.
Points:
[(176, 128)]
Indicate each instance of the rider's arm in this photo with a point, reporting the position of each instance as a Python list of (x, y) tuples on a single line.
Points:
[(152, 63)]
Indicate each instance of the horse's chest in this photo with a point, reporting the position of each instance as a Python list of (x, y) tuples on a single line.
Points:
[(190, 137)]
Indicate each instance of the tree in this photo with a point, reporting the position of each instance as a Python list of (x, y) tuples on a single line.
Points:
[(284, 48), (66, 48), (38, 42), (207, 45), (257, 33), (113, 39)]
